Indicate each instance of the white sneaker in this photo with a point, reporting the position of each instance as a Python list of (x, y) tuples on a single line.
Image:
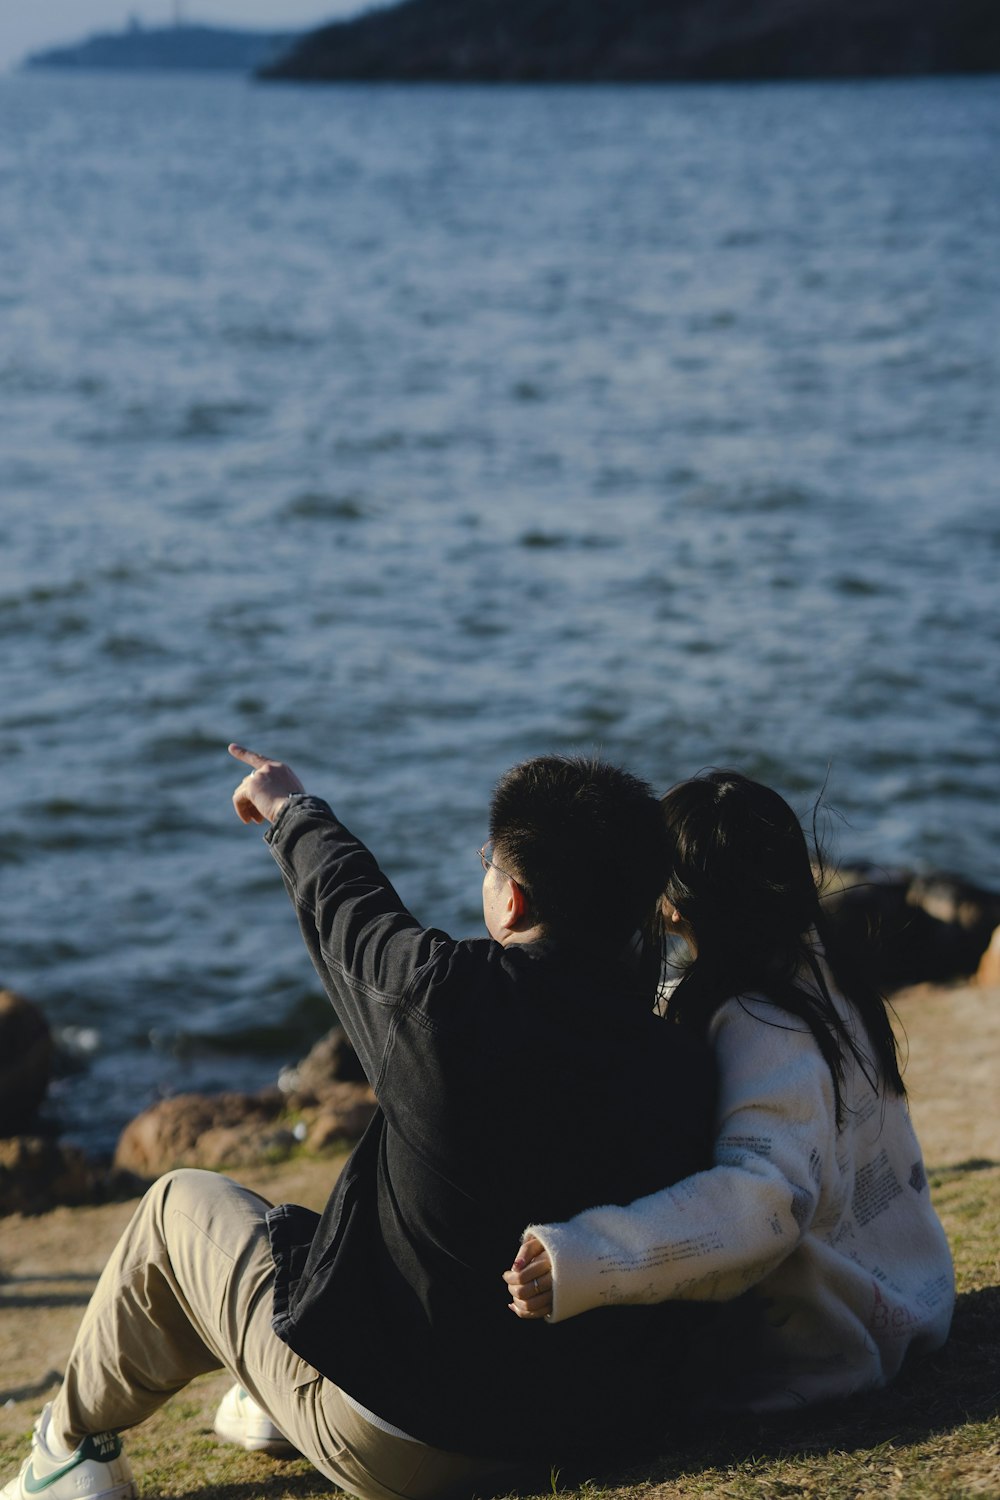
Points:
[(240, 1420), (98, 1469)]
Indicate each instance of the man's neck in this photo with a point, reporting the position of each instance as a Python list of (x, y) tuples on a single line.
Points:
[(514, 937)]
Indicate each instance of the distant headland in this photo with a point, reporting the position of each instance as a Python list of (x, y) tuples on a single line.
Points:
[(510, 41), (181, 48), (629, 41)]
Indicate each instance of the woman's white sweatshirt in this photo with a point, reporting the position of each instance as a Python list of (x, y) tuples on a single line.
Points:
[(820, 1246)]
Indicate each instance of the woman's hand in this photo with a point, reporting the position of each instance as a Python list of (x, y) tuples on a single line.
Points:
[(529, 1280)]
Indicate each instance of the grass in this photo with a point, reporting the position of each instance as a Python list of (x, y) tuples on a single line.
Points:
[(933, 1435)]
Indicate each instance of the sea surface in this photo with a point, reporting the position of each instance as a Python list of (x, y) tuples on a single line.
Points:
[(406, 432)]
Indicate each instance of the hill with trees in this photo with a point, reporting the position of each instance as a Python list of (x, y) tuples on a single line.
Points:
[(649, 41)]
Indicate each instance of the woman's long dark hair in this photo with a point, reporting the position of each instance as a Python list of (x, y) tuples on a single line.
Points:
[(742, 878)]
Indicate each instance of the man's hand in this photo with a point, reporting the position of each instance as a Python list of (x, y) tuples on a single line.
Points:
[(262, 794), (529, 1280)]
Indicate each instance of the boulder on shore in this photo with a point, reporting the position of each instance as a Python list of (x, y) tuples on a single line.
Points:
[(331, 1061), (203, 1130), (918, 928), (25, 1061), (343, 1115), (988, 972), (37, 1173), (329, 1090), (324, 1102)]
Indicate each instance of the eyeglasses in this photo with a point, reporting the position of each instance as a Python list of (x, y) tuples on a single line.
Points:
[(489, 865)]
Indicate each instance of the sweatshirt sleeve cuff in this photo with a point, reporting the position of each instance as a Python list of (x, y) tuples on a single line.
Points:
[(571, 1293), (292, 801)]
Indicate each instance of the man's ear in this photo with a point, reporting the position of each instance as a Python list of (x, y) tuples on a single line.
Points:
[(515, 909)]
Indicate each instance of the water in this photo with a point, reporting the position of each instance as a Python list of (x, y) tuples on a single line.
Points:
[(405, 432)]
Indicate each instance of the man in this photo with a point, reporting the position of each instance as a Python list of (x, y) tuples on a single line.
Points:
[(377, 1338)]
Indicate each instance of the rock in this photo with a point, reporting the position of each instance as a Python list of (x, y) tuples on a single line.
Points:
[(244, 1145), (326, 1091), (37, 1173), (919, 928), (957, 902), (190, 1130), (989, 965), (343, 1116), (25, 1061), (328, 1088), (330, 1062)]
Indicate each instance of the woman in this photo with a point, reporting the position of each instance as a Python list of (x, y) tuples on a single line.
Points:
[(813, 1234)]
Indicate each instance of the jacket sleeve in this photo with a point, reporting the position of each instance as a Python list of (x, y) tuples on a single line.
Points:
[(714, 1235), (364, 944)]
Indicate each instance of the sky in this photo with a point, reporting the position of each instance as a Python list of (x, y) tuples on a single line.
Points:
[(28, 25)]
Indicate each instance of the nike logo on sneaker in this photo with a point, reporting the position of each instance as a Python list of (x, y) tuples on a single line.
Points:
[(104, 1446), (35, 1486), (101, 1447)]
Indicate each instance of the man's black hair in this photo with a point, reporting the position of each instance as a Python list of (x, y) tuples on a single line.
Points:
[(587, 843)]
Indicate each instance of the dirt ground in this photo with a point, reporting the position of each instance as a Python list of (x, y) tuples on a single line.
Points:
[(49, 1264)]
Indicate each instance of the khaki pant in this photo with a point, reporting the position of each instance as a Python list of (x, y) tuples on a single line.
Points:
[(187, 1290)]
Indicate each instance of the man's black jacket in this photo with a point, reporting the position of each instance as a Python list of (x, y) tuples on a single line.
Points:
[(515, 1084)]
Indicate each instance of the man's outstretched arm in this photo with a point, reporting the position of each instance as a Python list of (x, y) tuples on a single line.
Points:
[(365, 945)]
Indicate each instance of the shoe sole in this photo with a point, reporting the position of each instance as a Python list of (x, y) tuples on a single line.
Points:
[(127, 1490)]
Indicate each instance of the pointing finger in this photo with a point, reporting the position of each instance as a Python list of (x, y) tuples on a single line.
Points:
[(249, 757)]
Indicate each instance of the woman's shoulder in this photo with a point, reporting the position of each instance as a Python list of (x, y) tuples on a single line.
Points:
[(755, 1009), (750, 1012), (752, 1037), (768, 1060)]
